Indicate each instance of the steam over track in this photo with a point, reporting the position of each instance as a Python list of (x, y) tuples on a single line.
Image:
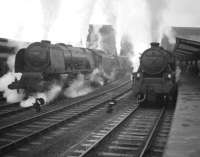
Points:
[(21, 132), (8, 110)]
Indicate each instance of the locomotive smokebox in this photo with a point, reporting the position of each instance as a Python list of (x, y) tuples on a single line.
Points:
[(154, 44)]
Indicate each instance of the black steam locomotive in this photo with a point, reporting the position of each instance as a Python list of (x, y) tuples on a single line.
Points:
[(154, 80), (42, 62)]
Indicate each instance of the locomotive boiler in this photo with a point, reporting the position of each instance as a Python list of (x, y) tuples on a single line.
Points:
[(155, 78), (42, 62)]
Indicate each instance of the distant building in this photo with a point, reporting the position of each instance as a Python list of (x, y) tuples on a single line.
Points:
[(102, 37)]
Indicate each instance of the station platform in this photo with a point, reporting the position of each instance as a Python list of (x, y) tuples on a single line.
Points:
[(184, 137)]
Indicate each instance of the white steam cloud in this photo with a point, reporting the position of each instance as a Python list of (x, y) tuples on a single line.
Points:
[(67, 21), (156, 12), (50, 13), (96, 76), (145, 20), (128, 18), (48, 96), (85, 84), (78, 87), (11, 63), (56, 20), (71, 26), (12, 96)]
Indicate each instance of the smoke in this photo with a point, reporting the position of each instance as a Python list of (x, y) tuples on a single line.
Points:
[(96, 77), (128, 18), (105, 12), (50, 13), (56, 20), (78, 87), (48, 96), (67, 21), (29, 102), (156, 12), (126, 46), (85, 84), (17, 44), (133, 21), (99, 77), (12, 96), (143, 21), (71, 25), (11, 63)]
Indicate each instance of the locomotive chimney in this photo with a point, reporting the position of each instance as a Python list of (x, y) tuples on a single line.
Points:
[(154, 44), (46, 42)]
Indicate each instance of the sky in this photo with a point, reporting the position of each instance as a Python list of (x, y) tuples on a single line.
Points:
[(67, 20), (184, 13)]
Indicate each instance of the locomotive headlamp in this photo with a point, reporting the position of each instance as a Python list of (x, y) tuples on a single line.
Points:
[(138, 75), (169, 76)]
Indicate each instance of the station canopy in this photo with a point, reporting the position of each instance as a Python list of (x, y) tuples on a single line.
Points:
[(187, 49)]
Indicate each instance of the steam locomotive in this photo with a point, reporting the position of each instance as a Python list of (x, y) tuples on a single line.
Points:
[(154, 80), (42, 62)]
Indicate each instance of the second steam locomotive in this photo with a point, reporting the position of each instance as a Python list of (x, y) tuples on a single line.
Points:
[(155, 78), (42, 62)]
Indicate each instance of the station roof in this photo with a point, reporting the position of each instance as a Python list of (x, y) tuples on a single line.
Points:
[(187, 49)]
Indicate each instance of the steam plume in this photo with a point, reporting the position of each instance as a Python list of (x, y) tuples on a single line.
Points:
[(71, 25), (78, 87), (48, 96), (156, 10), (50, 12), (12, 96)]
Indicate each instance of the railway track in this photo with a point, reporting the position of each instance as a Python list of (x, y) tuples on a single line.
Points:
[(7, 110), (158, 144), (16, 134), (129, 135), (10, 109)]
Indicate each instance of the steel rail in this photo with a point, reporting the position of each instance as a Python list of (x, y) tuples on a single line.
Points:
[(14, 108), (10, 145)]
